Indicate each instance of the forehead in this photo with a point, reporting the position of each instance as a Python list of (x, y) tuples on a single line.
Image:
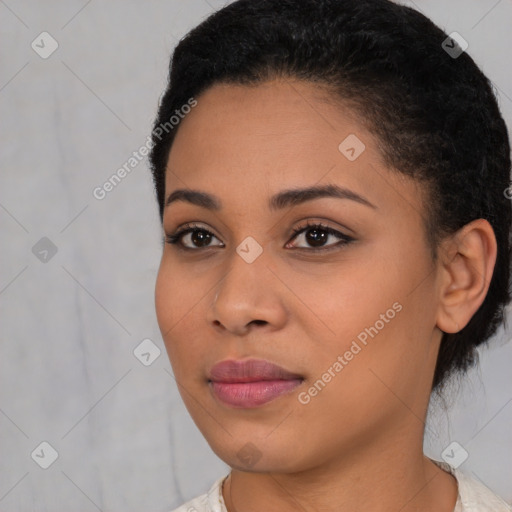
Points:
[(244, 142), (276, 116)]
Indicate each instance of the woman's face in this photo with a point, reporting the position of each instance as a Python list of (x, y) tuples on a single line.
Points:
[(356, 320)]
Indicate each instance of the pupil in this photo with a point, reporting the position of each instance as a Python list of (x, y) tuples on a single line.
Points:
[(317, 239), (201, 238)]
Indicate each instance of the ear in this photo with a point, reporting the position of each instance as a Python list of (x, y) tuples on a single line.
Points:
[(468, 259)]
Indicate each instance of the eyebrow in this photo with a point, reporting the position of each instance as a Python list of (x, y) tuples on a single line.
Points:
[(291, 197)]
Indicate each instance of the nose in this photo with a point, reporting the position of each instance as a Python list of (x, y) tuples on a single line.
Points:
[(248, 297)]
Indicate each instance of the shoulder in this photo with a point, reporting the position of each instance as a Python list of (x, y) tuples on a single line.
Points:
[(474, 496), (211, 501)]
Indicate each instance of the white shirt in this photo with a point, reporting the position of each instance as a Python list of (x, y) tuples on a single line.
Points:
[(472, 496)]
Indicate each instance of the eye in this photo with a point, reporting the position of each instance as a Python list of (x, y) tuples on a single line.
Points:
[(317, 234), (198, 235)]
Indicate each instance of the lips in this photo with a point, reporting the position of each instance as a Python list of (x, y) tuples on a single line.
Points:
[(250, 383), (249, 370)]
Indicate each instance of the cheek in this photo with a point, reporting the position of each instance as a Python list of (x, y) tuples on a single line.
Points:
[(176, 294), (172, 302), (350, 298), (384, 324), (369, 302), (164, 299), (179, 305)]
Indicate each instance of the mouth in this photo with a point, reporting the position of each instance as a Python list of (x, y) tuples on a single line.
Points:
[(250, 383)]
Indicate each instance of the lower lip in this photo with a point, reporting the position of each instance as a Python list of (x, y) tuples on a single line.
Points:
[(252, 394)]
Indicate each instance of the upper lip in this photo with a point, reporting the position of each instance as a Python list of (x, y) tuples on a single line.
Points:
[(249, 370)]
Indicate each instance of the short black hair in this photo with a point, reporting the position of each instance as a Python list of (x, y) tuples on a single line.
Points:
[(433, 113)]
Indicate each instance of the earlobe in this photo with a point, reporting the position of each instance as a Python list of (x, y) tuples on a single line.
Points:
[(468, 259)]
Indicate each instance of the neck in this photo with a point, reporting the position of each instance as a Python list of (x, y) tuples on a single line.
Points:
[(394, 476)]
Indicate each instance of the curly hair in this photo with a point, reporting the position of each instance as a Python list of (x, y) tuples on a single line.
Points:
[(435, 115)]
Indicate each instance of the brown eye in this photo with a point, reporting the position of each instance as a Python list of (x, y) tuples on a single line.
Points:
[(316, 235), (198, 236)]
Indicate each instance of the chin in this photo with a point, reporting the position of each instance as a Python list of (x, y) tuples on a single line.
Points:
[(258, 454)]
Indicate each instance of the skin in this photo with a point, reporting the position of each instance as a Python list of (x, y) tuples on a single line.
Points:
[(358, 444)]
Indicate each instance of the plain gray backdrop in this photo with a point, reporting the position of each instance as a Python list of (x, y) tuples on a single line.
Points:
[(77, 274)]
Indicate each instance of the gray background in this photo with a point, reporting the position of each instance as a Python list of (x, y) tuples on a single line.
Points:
[(70, 325)]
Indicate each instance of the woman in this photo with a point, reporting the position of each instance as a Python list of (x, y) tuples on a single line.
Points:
[(330, 177)]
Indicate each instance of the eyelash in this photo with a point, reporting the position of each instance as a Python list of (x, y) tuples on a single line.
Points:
[(175, 238)]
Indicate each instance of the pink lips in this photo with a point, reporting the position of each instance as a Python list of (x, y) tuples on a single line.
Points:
[(250, 383)]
